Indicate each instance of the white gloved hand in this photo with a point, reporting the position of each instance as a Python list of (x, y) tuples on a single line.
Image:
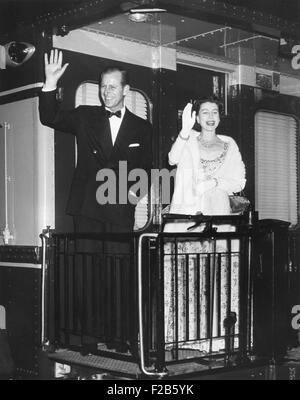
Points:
[(188, 120)]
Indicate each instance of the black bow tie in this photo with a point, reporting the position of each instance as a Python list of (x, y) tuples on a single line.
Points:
[(117, 113)]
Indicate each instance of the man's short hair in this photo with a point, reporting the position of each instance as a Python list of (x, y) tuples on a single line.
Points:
[(113, 68)]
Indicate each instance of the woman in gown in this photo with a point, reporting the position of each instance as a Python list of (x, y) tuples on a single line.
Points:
[(209, 169)]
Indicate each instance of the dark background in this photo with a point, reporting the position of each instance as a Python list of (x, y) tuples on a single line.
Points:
[(14, 13)]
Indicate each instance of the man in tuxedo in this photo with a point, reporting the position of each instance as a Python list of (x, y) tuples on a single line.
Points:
[(105, 136)]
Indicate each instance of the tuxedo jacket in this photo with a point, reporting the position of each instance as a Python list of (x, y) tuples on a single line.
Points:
[(95, 151)]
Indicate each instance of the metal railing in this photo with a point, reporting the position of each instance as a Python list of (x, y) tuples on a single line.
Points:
[(158, 298)]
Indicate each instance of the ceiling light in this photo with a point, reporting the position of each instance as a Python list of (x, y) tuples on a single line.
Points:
[(139, 17), (143, 14), (147, 10)]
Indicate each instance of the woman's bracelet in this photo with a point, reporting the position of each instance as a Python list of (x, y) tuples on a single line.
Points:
[(183, 138)]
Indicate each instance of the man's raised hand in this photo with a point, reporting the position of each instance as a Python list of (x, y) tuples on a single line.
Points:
[(53, 68)]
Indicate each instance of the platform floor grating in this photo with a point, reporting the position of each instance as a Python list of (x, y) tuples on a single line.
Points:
[(100, 363), (289, 369), (121, 367)]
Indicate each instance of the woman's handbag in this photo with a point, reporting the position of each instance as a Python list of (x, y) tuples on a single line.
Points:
[(239, 203)]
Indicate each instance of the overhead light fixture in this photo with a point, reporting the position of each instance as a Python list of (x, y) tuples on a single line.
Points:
[(147, 10), (14, 54), (143, 14), (139, 17)]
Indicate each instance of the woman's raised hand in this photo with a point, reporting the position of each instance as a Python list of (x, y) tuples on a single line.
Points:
[(188, 120), (53, 68)]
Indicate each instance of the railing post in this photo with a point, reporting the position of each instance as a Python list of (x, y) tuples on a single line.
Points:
[(245, 298), (45, 237), (160, 361), (229, 325), (159, 372)]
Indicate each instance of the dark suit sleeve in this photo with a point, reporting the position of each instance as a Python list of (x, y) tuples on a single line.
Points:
[(51, 115)]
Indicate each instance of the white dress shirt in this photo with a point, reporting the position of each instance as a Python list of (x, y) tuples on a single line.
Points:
[(115, 123)]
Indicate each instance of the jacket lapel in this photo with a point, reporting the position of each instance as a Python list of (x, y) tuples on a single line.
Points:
[(105, 137), (98, 130)]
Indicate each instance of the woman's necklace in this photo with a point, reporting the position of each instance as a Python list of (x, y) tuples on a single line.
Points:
[(207, 143)]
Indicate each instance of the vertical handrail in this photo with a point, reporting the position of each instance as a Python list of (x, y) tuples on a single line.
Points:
[(160, 298), (43, 290), (7, 235), (212, 293), (140, 309), (249, 296), (44, 237), (251, 240), (244, 298)]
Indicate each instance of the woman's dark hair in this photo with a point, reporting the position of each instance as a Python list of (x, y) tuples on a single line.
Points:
[(207, 99)]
